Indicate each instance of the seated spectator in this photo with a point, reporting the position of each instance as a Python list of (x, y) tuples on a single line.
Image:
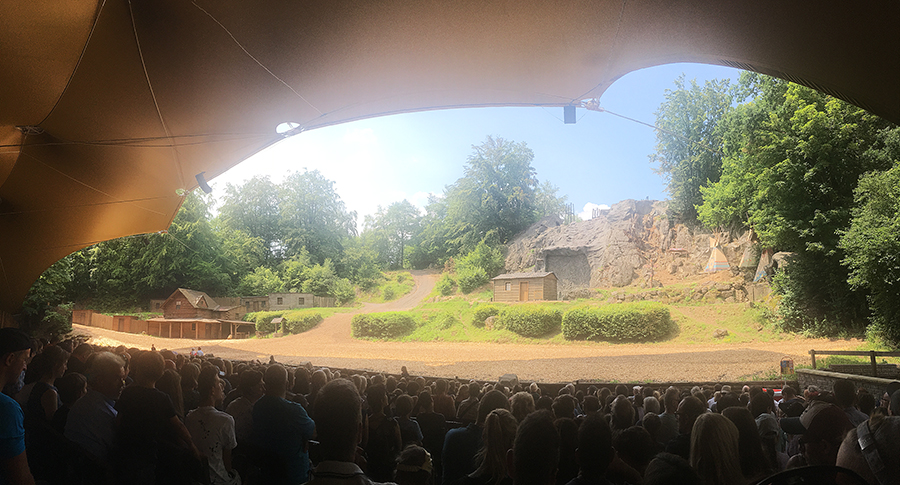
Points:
[(669, 469), (40, 437), (71, 388), (170, 383), (77, 362), (622, 415), (384, 441), (414, 467), (521, 404), (545, 403), (636, 448), (715, 450), (755, 465), (669, 419), (281, 432), (564, 406), (467, 412), (878, 462), (212, 430), (15, 352), (461, 444), (153, 444), (499, 434), (251, 388), (443, 402), (410, 434), (535, 452), (92, 419), (591, 404), (689, 409), (821, 428), (568, 441), (594, 452), (434, 429), (727, 400), (865, 402), (845, 398), (339, 428), (189, 395), (651, 423)]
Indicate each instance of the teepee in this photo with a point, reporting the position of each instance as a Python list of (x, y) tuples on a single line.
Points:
[(717, 260), (765, 260)]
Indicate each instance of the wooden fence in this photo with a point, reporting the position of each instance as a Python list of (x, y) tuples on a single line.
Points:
[(872, 354)]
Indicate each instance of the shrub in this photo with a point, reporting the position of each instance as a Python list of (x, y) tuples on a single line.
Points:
[(530, 321), (471, 277), (446, 320), (625, 322), (445, 285), (388, 293), (401, 277), (482, 313), (263, 320), (382, 325), (301, 322)]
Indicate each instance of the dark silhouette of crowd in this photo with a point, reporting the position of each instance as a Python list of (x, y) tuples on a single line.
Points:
[(74, 413)]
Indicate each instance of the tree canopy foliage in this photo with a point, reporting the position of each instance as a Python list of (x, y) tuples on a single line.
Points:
[(791, 161)]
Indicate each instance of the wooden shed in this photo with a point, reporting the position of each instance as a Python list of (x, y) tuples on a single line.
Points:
[(525, 286)]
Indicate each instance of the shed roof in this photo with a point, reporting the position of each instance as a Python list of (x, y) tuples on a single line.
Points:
[(516, 276), (194, 297)]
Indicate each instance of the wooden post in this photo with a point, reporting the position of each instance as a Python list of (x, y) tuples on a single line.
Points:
[(874, 364), (812, 353)]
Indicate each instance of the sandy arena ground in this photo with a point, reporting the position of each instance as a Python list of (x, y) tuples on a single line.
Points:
[(330, 344)]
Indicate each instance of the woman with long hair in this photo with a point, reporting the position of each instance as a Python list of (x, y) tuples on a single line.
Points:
[(715, 450), (497, 438), (754, 462)]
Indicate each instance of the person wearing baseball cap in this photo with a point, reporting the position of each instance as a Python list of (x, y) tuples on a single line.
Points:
[(821, 428), (15, 351)]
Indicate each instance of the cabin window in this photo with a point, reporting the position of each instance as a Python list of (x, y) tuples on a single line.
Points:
[(280, 301), (178, 305), (508, 286), (157, 305), (302, 301), (193, 327)]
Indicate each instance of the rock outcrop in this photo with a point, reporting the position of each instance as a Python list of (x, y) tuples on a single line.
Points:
[(632, 243)]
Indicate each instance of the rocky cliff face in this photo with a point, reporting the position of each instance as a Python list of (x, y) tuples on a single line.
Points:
[(634, 242)]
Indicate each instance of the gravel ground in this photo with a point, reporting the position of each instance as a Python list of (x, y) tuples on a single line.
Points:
[(330, 344)]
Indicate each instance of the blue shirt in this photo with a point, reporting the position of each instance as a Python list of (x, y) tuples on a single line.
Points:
[(283, 428), (12, 429)]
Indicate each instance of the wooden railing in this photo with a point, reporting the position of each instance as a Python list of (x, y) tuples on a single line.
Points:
[(859, 353)]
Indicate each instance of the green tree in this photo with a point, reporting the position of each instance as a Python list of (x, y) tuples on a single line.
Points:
[(390, 229), (689, 143), (260, 282), (46, 311), (872, 243), (253, 208), (313, 216), (793, 158)]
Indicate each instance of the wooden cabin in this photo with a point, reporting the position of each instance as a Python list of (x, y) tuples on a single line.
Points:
[(525, 287)]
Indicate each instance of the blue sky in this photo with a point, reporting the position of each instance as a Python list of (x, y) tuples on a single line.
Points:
[(600, 160)]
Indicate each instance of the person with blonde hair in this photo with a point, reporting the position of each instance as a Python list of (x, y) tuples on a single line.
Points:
[(497, 438), (714, 450)]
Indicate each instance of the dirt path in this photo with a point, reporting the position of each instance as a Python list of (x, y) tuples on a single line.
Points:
[(330, 344)]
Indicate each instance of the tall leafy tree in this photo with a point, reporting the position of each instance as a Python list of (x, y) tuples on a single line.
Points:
[(689, 144), (390, 229), (253, 208), (314, 217), (872, 243)]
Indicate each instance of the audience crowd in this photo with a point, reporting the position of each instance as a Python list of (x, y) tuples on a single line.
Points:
[(73, 413)]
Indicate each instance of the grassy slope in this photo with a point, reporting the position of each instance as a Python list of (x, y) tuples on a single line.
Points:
[(394, 285)]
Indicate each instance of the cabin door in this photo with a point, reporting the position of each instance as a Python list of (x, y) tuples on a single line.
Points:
[(523, 291)]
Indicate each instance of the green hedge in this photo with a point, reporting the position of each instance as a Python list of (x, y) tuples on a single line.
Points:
[(625, 322), (383, 325), (445, 285), (482, 313), (295, 322), (529, 321)]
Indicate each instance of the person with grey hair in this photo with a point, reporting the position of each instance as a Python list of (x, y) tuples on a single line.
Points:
[(92, 420), (651, 405)]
